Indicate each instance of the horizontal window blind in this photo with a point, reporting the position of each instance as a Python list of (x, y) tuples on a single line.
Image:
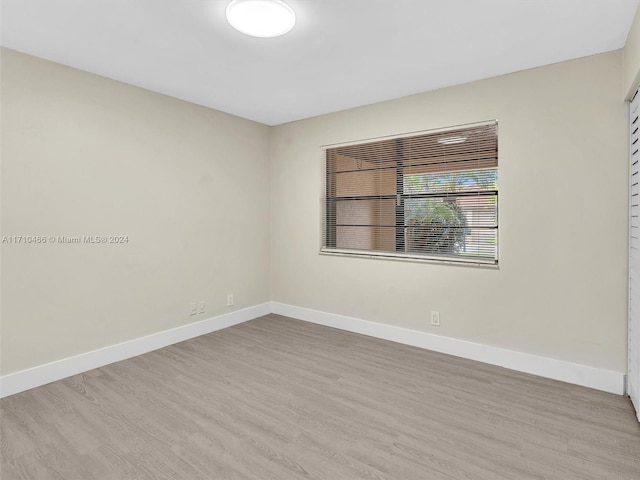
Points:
[(431, 195)]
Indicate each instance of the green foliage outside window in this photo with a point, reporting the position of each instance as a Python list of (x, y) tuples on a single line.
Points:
[(439, 225)]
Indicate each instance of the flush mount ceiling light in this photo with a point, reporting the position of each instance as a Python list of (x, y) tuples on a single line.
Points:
[(451, 140), (261, 18)]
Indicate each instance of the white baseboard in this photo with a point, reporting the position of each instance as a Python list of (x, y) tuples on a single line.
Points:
[(599, 379), (606, 380), (50, 372)]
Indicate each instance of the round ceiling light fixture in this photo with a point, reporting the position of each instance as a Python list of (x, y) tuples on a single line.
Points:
[(261, 18)]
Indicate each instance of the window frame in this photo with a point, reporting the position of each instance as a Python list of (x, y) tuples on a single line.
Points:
[(328, 228)]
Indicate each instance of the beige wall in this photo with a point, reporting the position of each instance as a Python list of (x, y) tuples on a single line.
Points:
[(561, 287), (631, 72), (84, 155)]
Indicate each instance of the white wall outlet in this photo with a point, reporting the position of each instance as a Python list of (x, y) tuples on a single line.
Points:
[(435, 318), (201, 307), (194, 309), (229, 299)]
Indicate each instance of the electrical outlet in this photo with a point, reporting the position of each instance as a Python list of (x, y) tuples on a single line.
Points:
[(435, 318), (229, 299), (194, 309), (201, 307)]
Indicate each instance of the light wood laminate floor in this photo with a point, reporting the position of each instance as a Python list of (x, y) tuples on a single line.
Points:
[(280, 399)]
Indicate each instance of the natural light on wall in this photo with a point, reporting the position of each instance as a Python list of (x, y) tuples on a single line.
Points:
[(261, 18)]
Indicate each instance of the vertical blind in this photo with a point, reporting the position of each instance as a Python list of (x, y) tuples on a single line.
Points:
[(432, 195), (633, 378)]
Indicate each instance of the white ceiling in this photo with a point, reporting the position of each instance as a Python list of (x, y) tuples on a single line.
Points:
[(340, 54)]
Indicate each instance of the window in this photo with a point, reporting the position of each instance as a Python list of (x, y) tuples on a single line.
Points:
[(428, 196)]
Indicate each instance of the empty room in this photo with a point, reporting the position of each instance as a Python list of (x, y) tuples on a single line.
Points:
[(329, 240)]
